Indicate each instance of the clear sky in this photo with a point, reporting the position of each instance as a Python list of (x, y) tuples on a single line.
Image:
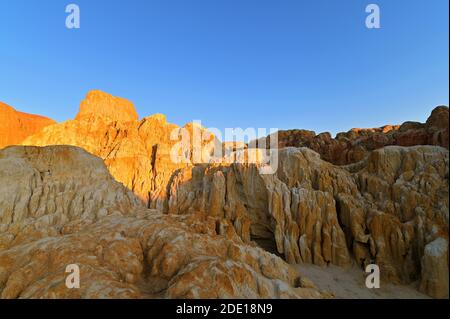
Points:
[(231, 63)]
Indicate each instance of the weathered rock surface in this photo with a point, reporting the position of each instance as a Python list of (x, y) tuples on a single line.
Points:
[(59, 206), (354, 145), (384, 210), (435, 268), (16, 126)]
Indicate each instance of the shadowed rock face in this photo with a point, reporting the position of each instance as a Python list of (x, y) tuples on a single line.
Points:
[(354, 145), (16, 126), (59, 206), (387, 209)]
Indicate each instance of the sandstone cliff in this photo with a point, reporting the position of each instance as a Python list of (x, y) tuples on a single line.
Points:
[(136, 152), (16, 126)]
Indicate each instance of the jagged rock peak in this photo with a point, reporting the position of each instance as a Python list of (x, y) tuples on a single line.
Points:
[(101, 104)]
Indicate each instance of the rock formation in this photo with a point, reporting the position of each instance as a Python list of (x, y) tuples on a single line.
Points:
[(354, 145), (136, 152), (98, 104), (59, 206), (16, 126), (367, 196)]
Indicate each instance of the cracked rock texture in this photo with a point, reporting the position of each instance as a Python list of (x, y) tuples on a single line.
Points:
[(59, 206)]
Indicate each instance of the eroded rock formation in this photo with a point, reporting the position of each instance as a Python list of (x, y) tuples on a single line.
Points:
[(59, 206), (387, 209), (389, 206), (16, 126)]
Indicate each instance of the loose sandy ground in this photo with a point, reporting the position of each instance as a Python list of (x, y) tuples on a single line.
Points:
[(350, 284)]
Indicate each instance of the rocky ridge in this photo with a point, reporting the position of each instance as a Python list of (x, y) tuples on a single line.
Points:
[(356, 144)]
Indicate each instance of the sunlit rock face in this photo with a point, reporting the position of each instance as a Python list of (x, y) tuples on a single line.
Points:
[(136, 152), (60, 206), (98, 104), (16, 126)]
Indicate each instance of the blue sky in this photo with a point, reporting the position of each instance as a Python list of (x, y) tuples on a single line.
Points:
[(231, 63)]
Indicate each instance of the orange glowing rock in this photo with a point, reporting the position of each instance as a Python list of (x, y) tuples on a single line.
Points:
[(16, 126)]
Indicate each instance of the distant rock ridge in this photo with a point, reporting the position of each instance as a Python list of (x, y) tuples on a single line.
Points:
[(15, 126), (356, 144)]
